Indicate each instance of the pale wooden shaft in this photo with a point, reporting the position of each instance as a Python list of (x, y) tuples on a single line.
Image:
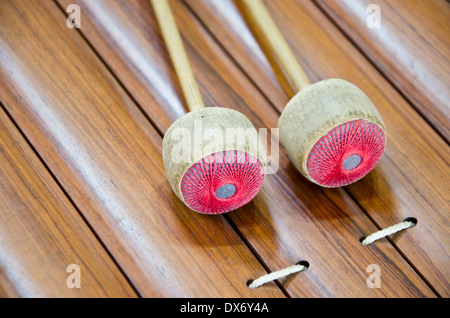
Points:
[(178, 54), (277, 42)]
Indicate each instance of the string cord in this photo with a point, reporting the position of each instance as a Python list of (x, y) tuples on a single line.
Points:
[(388, 231), (299, 267), (276, 275)]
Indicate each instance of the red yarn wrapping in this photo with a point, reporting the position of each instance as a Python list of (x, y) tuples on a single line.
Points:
[(357, 137), (201, 181)]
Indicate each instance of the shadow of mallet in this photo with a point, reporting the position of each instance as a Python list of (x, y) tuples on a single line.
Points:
[(331, 130), (213, 156)]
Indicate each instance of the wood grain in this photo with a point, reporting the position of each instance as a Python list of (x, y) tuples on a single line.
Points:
[(290, 219), (41, 233), (411, 178), (411, 48), (107, 156)]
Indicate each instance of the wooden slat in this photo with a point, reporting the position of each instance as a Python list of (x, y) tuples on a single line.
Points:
[(289, 220), (108, 158), (411, 48), (411, 179), (41, 233)]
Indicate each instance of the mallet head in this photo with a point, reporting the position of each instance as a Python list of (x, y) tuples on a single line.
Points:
[(214, 160), (332, 132)]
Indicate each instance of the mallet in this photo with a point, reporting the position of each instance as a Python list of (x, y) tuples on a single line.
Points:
[(331, 130), (224, 173)]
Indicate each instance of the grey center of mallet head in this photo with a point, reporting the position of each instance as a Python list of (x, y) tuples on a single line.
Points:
[(226, 191), (352, 162)]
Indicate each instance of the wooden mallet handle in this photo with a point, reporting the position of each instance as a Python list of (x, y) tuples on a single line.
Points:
[(261, 17), (178, 54)]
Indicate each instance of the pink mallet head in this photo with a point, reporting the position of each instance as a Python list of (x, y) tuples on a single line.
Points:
[(214, 160), (333, 133), (222, 181), (346, 153)]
